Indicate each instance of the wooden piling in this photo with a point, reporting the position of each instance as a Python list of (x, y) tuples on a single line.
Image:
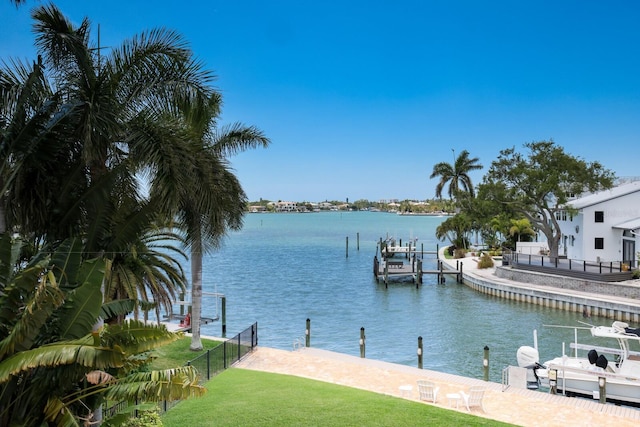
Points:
[(358, 241), (347, 248), (420, 352), (485, 363), (307, 334), (602, 388), (224, 316), (362, 343)]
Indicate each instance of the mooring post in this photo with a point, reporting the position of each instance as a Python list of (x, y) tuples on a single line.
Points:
[(358, 241), (421, 250), (224, 316), (602, 387), (347, 249), (553, 378), (386, 273), (485, 363), (307, 334), (420, 352), (362, 342), (437, 250)]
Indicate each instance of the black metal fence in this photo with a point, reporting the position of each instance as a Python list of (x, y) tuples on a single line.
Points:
[(226, 354), (595, 270), (210, 363)]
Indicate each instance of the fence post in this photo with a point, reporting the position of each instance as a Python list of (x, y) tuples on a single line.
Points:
[(420, 352), (208, 364), (307, 334), (224, 355), (362, 342)]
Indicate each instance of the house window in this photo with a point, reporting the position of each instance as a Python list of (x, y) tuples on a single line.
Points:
[(599, 243), (599, 216)]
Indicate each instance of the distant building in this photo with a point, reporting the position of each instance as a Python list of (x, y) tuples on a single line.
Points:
[(286, 206)]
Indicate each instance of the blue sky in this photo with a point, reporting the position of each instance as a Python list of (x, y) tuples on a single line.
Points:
[(362, 98)]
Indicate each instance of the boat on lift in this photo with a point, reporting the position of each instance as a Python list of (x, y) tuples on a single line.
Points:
[(581, 375)]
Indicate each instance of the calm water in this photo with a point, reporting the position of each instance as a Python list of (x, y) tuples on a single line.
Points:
[(281, 269)]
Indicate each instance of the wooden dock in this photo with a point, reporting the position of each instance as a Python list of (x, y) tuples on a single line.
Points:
[(391, 266)]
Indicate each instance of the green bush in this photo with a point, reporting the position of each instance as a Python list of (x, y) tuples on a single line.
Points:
[(485, 261), (460, 253), (144, 419), (636, 274)]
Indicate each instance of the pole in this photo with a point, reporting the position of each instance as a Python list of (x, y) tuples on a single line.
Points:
[(485, 363), (347, 247), (420, 352), (602, 387), (224, 317), (307, 334), (362, 342), (358, 241)]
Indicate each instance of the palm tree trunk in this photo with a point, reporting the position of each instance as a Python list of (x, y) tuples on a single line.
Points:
[(196, 291)]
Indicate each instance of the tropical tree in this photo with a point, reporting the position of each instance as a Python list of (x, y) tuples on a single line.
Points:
[(53, 369), (456, 175), (536, 186), (71, 157), (455, 229), (208, 199), (521, 227)]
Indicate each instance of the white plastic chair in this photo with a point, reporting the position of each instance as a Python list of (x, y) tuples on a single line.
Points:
[(473, 398), (428, 391)]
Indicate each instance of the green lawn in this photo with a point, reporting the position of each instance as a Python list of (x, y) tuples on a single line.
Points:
[(240, 397), (178, 353)]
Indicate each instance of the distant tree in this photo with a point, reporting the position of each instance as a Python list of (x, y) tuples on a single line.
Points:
[(457, 175), (537, 186)]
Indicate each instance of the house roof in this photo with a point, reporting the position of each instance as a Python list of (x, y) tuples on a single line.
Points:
[(631, 224), (606, 195)]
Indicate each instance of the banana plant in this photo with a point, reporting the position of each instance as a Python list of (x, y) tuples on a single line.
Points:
[(54, 370)]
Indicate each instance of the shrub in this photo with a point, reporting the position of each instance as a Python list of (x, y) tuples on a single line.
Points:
[(460, 253), (485, 261), (636, 274), (144, 419)]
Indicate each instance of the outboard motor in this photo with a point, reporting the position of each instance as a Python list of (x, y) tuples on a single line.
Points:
[(529, 358)]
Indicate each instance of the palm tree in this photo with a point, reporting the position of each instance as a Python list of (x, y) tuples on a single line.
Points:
[(70, 158), (457, 175), (208, 200), (521, 227)]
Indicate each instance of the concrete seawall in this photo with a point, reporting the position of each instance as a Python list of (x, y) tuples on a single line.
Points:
[(611, 300)]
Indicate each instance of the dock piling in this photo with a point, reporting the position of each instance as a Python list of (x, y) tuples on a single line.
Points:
[(307, 334), (224, 316), (420, 352), (485, 363), (362, 343), (347, 247)]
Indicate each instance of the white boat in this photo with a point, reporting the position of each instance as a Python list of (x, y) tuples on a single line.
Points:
[(620, 366)]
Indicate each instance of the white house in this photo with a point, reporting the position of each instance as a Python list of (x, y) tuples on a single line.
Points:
[(605, 228)]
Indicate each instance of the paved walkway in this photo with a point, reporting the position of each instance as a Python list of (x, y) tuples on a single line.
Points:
[(515, 406)]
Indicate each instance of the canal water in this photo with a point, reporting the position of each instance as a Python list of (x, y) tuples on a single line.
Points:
[(282, 269)]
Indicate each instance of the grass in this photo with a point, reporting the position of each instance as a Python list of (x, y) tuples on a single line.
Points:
[(240, 397), (178, 353)]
